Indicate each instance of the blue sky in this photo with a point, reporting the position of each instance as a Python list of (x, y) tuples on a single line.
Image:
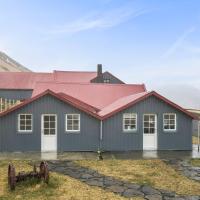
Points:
[(151, 41)]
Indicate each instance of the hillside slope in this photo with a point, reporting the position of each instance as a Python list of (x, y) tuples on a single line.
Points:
[(8, 64)]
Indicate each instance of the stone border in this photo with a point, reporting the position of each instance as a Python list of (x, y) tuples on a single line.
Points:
[(122, 188)]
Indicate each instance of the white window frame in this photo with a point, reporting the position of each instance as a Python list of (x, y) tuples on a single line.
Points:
[(175, 125), (79, 124), (123, 124), (25, 131)]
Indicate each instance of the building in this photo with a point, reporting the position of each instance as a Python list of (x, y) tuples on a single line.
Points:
[(88, 111)]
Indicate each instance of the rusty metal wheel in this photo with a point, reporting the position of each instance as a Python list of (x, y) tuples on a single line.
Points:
[(44, 171), (11, 176)]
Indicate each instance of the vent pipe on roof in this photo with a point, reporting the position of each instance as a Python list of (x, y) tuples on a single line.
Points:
[(99, 69)]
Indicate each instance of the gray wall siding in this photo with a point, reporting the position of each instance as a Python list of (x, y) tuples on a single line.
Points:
[(15, 94), (86, 139), (115, 139)]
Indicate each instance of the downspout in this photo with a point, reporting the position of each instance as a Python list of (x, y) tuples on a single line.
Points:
[(100, 135)]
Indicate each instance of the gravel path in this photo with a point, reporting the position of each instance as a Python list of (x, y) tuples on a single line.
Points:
[(185, 168), (125, 189)]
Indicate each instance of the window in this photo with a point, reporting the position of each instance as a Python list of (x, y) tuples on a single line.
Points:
[(106, 80), (149, 124), (49, 124), (25, 122), (73, 122), (169, 122), (129, 122)]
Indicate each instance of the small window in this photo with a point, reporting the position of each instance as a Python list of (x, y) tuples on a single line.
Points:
[(129, 122), (106, 80), (73, 122), (25, 122), (169, 122)]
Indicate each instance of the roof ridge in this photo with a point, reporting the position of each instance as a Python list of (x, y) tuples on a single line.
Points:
[(54, 71), (83, 83)]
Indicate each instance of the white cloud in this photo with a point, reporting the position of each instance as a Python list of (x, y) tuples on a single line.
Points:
[(178, 42), (103, 20)]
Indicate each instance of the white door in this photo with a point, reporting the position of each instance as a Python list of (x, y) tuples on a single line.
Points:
[(149, 132), (49, 132)]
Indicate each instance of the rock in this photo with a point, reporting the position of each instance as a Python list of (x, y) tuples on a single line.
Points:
[(167, 193), (153, 197), (132, 186), (86, 176), (173, 198), (149, 190), (95, 183), (116, 189), (192, 198), (132, 193)]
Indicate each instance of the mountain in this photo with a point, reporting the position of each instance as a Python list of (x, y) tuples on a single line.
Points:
[(184, 95), (7, 64)]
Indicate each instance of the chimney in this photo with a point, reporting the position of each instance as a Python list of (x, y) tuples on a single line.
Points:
[(99, 69)]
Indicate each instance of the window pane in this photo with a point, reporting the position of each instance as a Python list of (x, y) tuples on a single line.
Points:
[(172, 116), (69, 117), (28, 122), (166, 116), (126, 121), (22, 122), (46, 124), (166, 127), (133, 121), (46, 131), (46, 118), (172, 121), (133, 127), (146, 130), (146, 118), (52, 131), (52, 124), (52, 118), (22, 116), (75, 116), (69, 127), (76, 122), (152, 130), (172, 126), (28, 116), (22, 128), (146, 124), (76, 127), (28, 128)]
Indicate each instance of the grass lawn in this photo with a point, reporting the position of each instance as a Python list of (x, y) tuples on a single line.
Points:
[(59, 188), (152, 172), (194, 140), (195, 162)]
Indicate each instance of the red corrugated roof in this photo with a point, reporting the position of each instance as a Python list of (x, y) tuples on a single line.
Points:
[(105, 113), (74, 77), (27, 80), (95, 94), (22, 80)]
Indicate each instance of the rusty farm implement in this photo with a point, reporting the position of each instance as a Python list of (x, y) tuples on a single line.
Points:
[(42, 174)]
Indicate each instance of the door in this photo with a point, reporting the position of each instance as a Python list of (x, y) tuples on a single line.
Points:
[(149, 132), (49, 132)]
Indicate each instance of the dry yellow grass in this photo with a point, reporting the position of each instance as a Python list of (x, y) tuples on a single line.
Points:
[(194, 140), (195, 162), (60, 187), (152, 172)]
